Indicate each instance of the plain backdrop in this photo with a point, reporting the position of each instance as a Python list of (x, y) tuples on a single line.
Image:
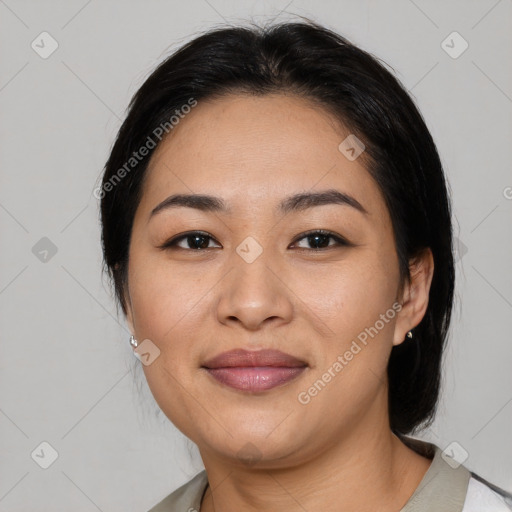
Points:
[(68, 377)]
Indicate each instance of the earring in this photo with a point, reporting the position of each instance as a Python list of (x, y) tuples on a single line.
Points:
[(133, 342), (409, 334)]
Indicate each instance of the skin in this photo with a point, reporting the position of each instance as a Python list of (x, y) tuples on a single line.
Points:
[(311, 303)]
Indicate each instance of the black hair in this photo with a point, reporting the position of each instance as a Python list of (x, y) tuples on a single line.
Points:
[(319, 65)]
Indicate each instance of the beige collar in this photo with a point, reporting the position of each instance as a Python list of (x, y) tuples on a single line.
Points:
[(444, 486)]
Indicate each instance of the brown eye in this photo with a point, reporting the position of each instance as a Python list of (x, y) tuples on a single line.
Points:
[(320, 240), (193, 240)]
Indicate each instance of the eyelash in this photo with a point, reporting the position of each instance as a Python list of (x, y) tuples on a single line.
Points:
[(171, 244)]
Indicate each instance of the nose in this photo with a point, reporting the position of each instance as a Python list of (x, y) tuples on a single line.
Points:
[(254, 295)]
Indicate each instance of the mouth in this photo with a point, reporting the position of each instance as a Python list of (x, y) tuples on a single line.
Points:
[(254, 370)]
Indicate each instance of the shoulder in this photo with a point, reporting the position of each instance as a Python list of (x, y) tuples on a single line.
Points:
[(449, 485), (186, 498), (482, 495)]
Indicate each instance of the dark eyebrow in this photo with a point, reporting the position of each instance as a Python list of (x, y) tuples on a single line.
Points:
[(297, 202)]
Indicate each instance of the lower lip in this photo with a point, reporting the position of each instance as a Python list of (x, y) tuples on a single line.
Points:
[(255, 378)]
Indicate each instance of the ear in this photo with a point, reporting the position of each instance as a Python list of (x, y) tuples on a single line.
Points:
[(415, 295)]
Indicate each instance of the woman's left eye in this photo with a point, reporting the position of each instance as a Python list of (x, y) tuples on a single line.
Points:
[(319, 239)]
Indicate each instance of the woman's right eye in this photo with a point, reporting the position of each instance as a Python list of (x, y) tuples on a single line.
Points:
[(193, 240)]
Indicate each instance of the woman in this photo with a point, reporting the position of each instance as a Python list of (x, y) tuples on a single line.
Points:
[(277, 226)]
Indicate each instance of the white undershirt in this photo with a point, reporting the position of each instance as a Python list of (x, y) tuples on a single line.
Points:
[(481, 498)]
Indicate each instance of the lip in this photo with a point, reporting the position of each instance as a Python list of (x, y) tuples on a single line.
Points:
[(254, 370), (245, 358)]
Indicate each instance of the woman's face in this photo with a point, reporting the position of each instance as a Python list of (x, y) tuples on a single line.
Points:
[(257, 282)]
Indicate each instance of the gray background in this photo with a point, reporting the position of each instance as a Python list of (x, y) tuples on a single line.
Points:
[(68, 376)]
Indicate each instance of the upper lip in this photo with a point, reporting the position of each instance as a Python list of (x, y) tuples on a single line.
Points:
[(243, 358)]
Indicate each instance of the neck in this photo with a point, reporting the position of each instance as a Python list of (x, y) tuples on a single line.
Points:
[(363, 471)]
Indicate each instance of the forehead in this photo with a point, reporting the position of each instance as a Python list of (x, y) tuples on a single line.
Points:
[(255, 150)]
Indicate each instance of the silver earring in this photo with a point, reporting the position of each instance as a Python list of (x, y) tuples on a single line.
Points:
[(409, 334), (133, 342)]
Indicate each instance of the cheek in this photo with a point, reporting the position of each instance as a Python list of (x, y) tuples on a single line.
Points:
[(167, 305), (351, 296), (164, 296), (351, 363), (356, 303)]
